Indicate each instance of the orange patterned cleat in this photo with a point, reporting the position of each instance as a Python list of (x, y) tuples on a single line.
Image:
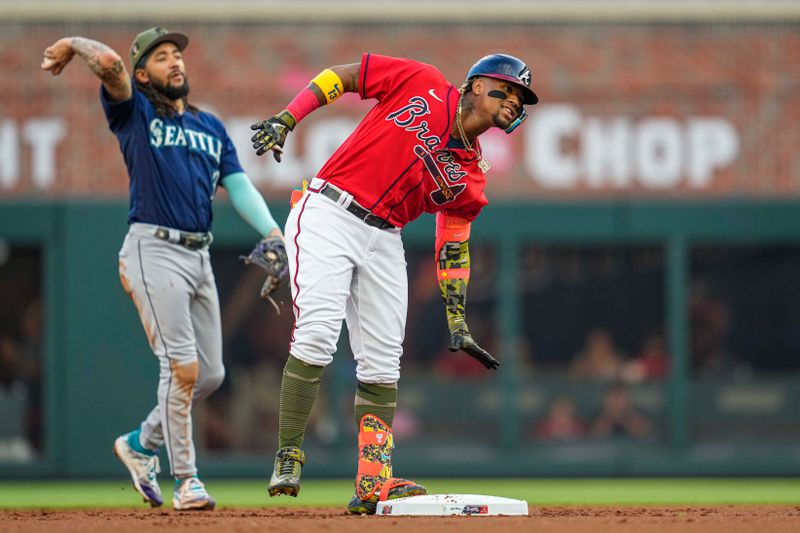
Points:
[(374, 481)]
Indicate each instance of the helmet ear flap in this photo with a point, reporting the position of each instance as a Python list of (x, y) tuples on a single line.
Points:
[(517, 121)]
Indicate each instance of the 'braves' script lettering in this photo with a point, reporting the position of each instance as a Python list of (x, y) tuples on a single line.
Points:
[(452, 170), (406, 118), (444, 193)]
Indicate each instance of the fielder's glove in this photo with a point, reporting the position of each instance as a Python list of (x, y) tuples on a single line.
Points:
[(270, 254), (271, 134), (460, 339)]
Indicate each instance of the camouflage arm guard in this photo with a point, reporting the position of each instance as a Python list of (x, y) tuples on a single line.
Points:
[(454, 256)]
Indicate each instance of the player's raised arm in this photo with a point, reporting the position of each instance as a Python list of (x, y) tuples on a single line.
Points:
[(452, 268), (103, 60), (326, 87)]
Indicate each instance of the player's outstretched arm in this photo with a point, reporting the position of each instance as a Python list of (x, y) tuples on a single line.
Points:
[(349, 76), (326, 87), (452, 267), (250, 205), (101, 59)]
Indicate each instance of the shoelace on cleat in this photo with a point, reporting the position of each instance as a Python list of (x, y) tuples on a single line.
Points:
[(286, 466), (153, 467), (194, 485)]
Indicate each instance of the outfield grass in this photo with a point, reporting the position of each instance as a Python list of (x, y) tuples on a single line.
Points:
[(252, 493)]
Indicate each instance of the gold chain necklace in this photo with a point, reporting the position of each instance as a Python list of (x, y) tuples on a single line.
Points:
[(483, 164)]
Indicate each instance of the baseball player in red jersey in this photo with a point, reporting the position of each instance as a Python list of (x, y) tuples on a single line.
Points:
[(416, 151)]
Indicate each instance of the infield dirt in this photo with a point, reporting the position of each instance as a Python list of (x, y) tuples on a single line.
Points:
[(728, 518)]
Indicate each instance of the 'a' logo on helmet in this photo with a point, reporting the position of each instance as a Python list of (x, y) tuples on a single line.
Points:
[(525, 76)]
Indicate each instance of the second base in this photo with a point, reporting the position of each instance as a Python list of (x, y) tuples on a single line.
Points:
[(452, 504)]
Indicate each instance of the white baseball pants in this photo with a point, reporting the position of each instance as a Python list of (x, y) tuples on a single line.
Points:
[(341, 268)]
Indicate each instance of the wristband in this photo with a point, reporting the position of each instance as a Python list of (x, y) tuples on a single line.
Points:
[(303, 104), (330, 84)]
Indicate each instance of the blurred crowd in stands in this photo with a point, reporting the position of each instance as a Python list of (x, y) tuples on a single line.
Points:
[(21, 354), (591, 316), (593, 328)]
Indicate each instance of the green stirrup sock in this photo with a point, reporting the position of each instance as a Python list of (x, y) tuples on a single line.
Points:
[(299, 390), (376, 399)]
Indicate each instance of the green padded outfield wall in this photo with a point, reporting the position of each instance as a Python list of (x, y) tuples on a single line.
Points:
[(100, 377)]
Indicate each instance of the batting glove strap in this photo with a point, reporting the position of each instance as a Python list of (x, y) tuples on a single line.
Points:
[(287, 119)]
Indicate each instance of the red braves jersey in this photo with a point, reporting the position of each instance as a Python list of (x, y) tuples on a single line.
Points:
[(396, 162)]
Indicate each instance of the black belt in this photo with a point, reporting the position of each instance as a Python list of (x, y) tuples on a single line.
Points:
[(361, 212), (192, 241)]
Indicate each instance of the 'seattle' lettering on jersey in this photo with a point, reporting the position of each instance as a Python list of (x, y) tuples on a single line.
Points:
[(400, 161), (168, 135), (174, 163)]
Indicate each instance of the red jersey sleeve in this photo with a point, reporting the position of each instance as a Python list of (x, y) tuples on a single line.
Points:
[(475, 199), (381, 74), (469, 211)]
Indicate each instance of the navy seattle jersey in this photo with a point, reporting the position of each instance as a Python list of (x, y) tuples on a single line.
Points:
[(174, 163)]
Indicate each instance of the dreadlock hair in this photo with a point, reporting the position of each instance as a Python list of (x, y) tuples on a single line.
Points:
[(164, 106), (466, 86)]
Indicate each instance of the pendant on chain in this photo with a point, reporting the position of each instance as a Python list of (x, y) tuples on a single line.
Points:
[(483, 164)]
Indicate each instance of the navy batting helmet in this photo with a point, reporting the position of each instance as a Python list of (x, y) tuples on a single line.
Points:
[(505, 67)]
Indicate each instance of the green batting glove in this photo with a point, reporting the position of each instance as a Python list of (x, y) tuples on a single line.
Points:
[(271, 134), (460, 339)]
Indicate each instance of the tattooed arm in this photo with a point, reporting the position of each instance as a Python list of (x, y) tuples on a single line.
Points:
[(349, 75), (103, 61)]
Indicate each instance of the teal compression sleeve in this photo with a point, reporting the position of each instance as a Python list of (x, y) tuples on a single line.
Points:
[(249, 203)]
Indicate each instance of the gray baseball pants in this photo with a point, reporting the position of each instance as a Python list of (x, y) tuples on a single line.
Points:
[(175, 293)]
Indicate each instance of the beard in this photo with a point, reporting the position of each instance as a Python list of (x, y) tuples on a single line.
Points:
[(500, 121), (170, 91)]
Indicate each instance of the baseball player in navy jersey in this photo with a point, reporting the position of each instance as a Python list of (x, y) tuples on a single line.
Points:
[(176, 156), (416, 151)]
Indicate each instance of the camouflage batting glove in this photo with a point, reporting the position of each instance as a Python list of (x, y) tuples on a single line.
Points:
[(460, 339), (271, 134)]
